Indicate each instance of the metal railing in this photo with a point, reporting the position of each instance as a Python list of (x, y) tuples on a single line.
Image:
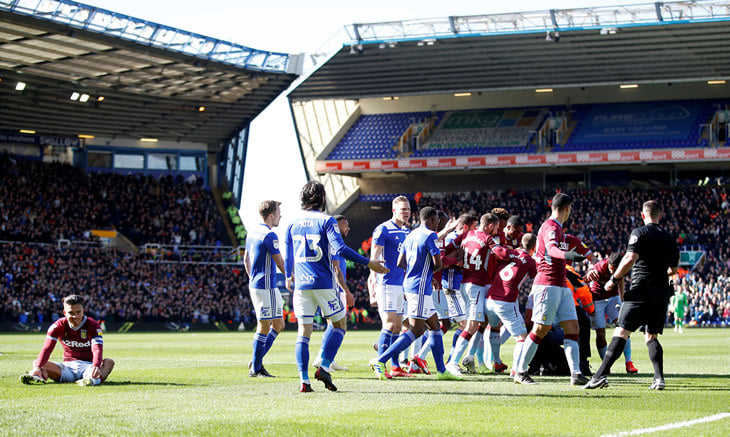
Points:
[(605, 18), (85, 17)]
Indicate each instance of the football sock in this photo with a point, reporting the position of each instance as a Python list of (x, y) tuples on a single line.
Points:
[(383, 340), (517, 352), (301, 352), (259, 342), (457, 334), (416, 346), (404, 340), (436, 342), (504, 335), (476, 339), (270, 340), (602, 352), (325, 338), (612, 353), (627, 349), (528, 351), (331, 346), (426, 348), (495, 343), (572, 352), (656, 355), (461, 344)]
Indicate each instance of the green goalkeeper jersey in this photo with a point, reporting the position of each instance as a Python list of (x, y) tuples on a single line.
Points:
[(679, 302)]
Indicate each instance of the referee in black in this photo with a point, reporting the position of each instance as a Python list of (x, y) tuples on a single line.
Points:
[(652, 256)]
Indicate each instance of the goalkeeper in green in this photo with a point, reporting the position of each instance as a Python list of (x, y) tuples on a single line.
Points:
[(678, 305)]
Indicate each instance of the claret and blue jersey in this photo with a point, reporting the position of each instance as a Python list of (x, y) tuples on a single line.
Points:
[(419, 248), (311, 241), (261, 244), (391, 237)]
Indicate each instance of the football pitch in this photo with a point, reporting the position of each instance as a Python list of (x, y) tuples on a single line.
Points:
[(197, 384)]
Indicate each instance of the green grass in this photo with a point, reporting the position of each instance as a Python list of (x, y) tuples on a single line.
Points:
[(197, 383)]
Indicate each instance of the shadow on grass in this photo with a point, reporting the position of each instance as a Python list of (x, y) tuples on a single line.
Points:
[(569, 395), (161, 384)]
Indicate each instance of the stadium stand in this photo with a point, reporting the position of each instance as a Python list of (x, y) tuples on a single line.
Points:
[(44, 202), (642, 125), (615, 126)]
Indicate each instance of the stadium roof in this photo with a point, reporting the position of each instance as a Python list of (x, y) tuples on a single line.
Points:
[(649, 43), (139, 79)]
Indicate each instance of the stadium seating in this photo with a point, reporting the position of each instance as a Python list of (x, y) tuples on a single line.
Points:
[(43, 202), (597, 127), (646, 125)]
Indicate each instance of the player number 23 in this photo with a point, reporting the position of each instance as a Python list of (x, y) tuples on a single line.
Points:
[(313, 241)]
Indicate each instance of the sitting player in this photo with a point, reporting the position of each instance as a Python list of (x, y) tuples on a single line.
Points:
[(83, 360)]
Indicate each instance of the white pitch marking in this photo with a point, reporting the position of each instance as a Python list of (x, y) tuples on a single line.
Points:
[(712, 418)]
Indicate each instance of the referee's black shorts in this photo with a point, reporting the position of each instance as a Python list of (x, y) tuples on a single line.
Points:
[(650, 312)]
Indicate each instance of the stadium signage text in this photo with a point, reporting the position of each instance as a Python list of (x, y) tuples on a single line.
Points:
[(535, 160)]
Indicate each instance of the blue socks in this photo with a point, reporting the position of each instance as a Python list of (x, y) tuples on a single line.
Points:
[(301, 352), (270, 340), (331, 344), (259, 344), (401, 344)]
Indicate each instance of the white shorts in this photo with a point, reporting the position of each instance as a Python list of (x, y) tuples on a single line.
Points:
[(267, 303), (552, 304), (457, 307), (508, 313), (307, 301), (606, 309), (420, 306), (74, 370), (440, 303), (390, 299), (475, 305)]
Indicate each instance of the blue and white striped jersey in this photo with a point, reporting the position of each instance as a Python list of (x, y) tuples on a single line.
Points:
[(419, 247), (261, 244), (391, 237), (311, 241)]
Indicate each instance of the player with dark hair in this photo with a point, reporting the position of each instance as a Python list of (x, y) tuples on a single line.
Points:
[(339, 266), (262, 254), (311, 239), (502, 307), (553, 301), (386, 291), (607, 304), (83, 355), (476, 246), (419, 257), (652, 256)]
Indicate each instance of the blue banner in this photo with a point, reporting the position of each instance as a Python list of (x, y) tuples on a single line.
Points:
[(638, 122)]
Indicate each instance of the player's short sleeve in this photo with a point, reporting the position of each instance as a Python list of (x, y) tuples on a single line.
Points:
[(272, 243), (634, 242), (431, 244), (532, 266), (380, 235), (96, 333), (494, 241)]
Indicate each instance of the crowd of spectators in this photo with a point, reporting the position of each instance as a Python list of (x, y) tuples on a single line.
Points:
[(41, 203), (44, 202), (119, 286)]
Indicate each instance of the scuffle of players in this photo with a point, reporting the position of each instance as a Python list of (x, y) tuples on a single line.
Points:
[(464, 272)]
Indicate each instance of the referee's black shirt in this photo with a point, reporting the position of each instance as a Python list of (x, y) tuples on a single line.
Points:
[(657, 252)]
